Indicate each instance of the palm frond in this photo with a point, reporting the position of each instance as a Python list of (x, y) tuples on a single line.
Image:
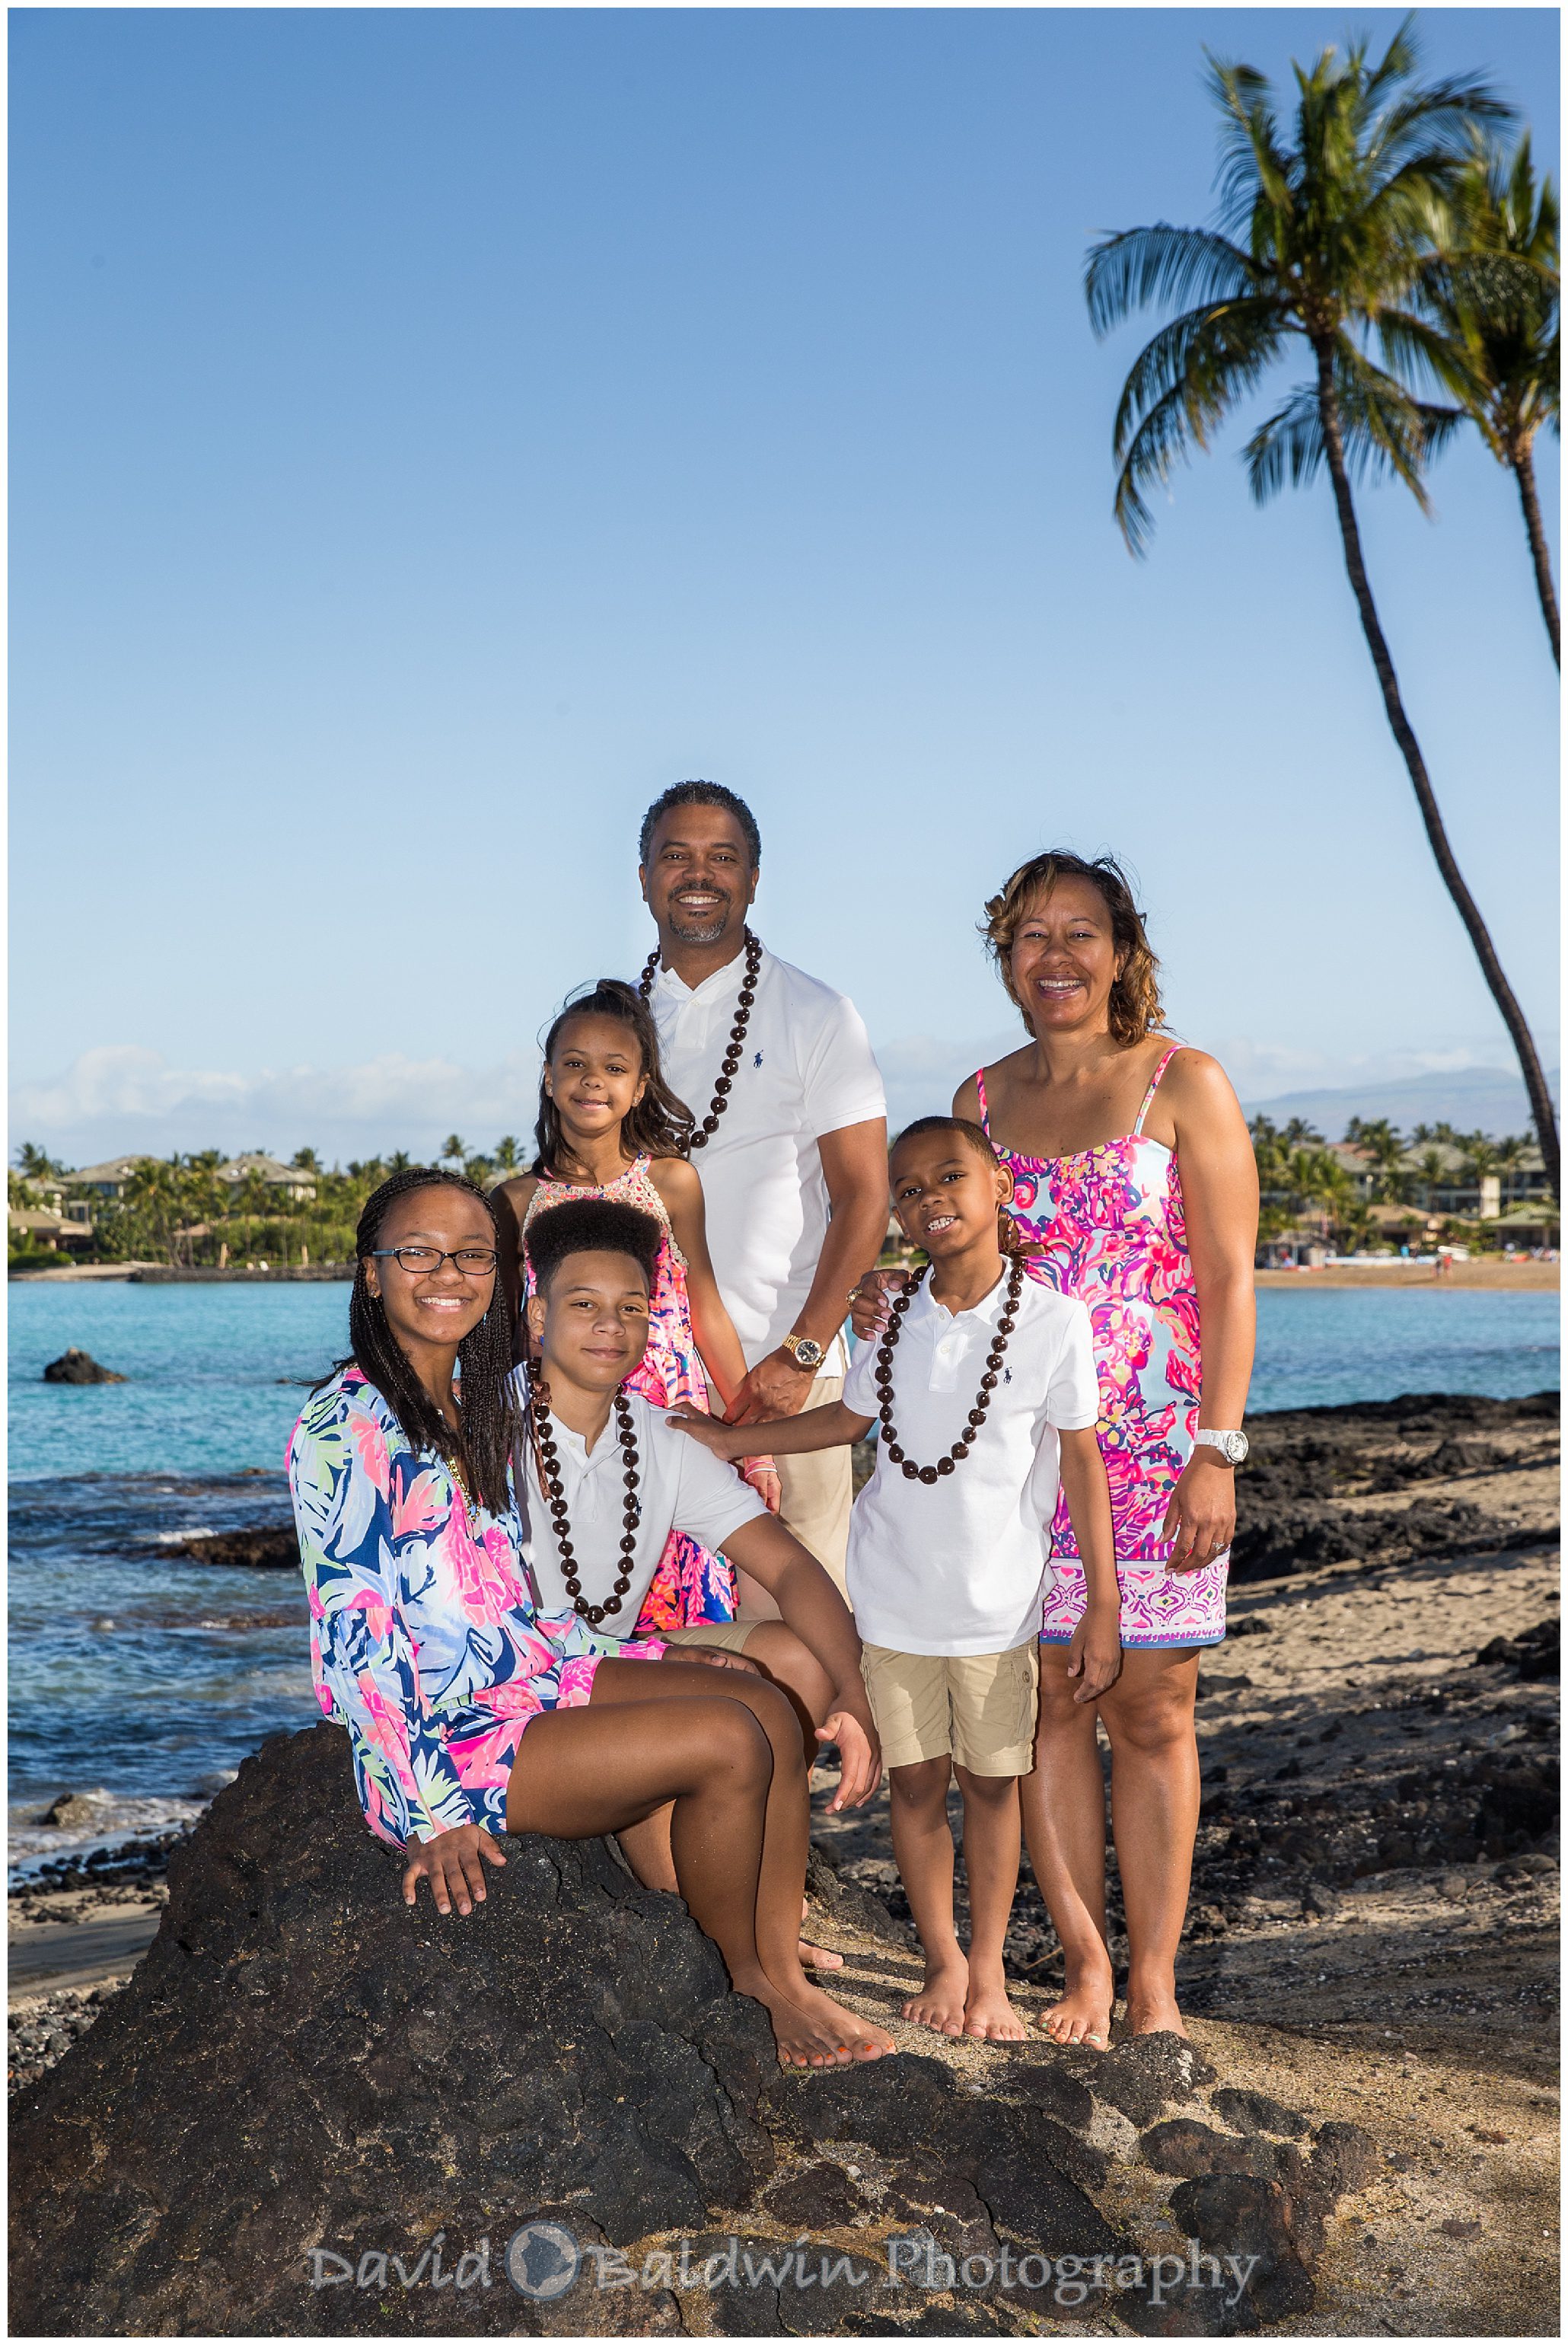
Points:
[(1136, 266), (1383, 430), (1182, 385), (1211, 354), (1290, 443)]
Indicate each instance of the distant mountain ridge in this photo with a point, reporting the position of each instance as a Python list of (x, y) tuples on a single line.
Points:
[(1473, 1099)]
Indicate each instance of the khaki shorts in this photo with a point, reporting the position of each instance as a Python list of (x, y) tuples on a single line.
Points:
[(980, 1707), (730, 1636)]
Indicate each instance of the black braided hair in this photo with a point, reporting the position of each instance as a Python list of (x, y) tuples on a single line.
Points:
[(659, 1125), (491, 1419), (593, 1226)]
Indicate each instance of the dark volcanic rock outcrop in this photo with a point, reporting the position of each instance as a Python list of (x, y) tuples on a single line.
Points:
[(1304, 1463), (268, 1546), (75, 1367), (305, 2082), (301, 2062)]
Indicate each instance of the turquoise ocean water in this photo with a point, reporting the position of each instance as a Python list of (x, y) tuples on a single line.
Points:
[(145, 1677)]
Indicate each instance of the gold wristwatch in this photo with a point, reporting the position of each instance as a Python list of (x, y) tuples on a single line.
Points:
[(805, 1352)]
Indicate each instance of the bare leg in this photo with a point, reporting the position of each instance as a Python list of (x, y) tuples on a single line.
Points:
[(780, 1884), (923, 1845), (1154, 1796), (1064, 1823), (991, 1868), (782, 1656)]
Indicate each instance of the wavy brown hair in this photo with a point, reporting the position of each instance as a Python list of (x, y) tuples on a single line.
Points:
[(1135, 1004), (659, 1125)]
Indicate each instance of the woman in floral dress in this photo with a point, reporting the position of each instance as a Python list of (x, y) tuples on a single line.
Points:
[(1135, 1189), (468, 1714)]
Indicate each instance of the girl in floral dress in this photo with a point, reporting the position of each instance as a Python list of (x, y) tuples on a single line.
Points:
[(1134, 1189), (468, 1714), (610, 1126)]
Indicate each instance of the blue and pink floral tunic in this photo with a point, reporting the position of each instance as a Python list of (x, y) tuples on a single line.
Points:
[(424, 1641)]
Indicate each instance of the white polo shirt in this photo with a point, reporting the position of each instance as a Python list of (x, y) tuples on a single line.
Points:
[(682, 1486), (807, 1069), (958, 1565)]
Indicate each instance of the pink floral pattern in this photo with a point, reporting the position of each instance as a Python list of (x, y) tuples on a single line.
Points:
[(691, 1585), (1108, 1226), (424, 1641)]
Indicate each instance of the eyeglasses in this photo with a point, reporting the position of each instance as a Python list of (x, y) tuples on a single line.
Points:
[(420, 1261)]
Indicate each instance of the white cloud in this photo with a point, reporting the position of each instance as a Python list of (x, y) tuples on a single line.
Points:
[(122, 1098)]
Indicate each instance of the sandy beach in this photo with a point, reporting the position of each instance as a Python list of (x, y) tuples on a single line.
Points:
[(1486, 1270)]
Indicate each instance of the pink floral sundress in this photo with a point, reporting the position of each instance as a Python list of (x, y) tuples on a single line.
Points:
[(1107, 1224), (691, 1585)]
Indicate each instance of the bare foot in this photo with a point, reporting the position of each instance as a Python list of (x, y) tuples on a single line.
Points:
[(1153, 2011), (1083, 2015), (988, 2015), (816, 1958), (940, 2001), (812, 2031)]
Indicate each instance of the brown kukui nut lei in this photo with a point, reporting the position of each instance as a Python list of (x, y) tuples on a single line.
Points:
[(548, 1458), (960, 1449), (744, 1000)]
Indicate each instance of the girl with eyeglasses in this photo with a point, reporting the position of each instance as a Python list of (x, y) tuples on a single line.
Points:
[(468, 1712)]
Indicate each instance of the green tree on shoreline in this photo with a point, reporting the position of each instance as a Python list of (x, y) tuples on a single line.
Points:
[(1323, 237)]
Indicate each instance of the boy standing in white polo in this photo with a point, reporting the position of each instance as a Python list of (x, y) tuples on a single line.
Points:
[(985, 1391)]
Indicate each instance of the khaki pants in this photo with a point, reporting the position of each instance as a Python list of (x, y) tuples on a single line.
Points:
[(816, 1491)]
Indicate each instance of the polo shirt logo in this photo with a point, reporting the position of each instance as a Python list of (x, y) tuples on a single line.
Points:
[(758, 1059)]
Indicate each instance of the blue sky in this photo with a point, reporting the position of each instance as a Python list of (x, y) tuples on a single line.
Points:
[(434, 431)]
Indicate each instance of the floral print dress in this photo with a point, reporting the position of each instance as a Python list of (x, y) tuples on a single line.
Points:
[(424, 1639), (690, 1585), (1108, 1224)]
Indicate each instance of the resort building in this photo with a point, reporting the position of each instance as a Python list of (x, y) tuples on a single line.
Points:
[(287, 1179)]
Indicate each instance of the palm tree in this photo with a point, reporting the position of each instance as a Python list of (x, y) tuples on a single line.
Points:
[(1322, 240), (1384, 1145), (1510, 1154), (1491, 292), (506, 1154), (453, 1150), (36, 1164)]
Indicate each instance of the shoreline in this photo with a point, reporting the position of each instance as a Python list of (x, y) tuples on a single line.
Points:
[(158, 1274), (1497, 1277), (1421, 1277)]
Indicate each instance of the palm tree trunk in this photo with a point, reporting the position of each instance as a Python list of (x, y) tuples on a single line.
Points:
[(1501, 992), (1523, 466)]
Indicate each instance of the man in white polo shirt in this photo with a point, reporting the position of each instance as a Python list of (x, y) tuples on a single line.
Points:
[(791, 1137)]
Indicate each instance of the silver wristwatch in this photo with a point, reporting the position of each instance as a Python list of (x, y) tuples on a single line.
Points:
[(1233, 1446)]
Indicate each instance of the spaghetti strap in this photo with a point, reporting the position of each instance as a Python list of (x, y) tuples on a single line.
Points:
[(980, 1087), (1153, 1087)]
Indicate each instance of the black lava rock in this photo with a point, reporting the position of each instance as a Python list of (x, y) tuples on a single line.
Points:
[(268, 1548), (1535, 1653), (300, 2061), (1144, 2075), (1257, 2113), (75, 1367)]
